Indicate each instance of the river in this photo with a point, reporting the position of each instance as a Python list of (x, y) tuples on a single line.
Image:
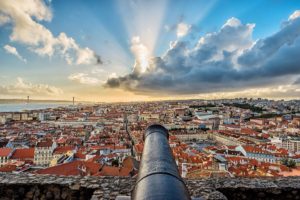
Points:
[(17, 107)]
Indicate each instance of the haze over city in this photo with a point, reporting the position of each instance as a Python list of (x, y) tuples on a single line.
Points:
[(149, 50)]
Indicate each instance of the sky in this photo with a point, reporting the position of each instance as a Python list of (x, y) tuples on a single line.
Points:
[(136, 50)]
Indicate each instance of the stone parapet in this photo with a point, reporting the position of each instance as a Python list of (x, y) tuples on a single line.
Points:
[(29, 186)]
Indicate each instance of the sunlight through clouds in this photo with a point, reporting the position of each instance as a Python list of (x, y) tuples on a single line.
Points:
[(224, 60), (143, 19), (141, 54), (182, 29)]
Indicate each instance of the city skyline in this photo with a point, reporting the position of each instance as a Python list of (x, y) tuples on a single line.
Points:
[(112, 51)]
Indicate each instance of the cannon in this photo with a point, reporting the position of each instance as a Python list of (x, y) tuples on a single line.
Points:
[(158, 177)]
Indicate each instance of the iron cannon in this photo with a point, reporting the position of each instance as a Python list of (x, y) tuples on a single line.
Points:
[(158, 177)]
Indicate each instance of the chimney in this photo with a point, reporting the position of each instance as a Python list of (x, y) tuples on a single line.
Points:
[(82, 169)]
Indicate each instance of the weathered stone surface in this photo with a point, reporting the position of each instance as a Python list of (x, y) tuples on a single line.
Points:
[(29, 186), (216, 195)]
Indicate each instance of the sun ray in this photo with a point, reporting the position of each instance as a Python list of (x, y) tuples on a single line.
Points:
[(143, 19)]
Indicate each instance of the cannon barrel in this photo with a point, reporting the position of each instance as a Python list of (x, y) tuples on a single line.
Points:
[(158, 177)]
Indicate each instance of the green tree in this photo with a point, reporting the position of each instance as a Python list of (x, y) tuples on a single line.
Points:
[(284, 161), (291, 163), (115, 163), (288, 162)]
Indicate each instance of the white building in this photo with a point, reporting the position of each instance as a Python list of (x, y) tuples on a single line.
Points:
[(43, 153)]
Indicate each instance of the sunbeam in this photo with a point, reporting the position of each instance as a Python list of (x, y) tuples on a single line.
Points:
[(143, 21)]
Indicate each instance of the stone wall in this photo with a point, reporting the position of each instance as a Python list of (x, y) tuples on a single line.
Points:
[(28, 186), (246, 188)]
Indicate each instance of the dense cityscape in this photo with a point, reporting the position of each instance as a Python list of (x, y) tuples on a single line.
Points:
[(209, 138)]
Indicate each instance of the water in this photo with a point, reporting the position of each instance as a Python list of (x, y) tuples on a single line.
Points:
[(17, 107)]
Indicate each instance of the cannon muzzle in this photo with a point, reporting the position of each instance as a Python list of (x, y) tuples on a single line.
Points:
[(158, 177)]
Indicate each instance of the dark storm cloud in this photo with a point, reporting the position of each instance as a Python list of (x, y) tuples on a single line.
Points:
[(123, 81), (221, 61)]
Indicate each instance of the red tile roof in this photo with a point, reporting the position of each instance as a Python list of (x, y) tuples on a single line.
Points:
[(130, 163), (8, 168), (80, 155), (72, 169), (44, 144), (112, 147), (23, 154), (61, 140), (114, 171), (63, 149), (4, 152), (139, 147), (253, 149)]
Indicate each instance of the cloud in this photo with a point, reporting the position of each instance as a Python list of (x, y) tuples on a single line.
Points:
[(25, 17), (264, 49), (4, 19), (13, 50), (141, 53), (297, 82), (295, 15), (84, 78), (233, 37), (22, 87), (97, 71), (274, 92), (182, 29), (113, 75), (223, 61)]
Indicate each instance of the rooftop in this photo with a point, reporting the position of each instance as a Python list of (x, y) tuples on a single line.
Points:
[(4, 152)]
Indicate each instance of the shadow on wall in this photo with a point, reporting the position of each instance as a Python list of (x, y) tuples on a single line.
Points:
[(43, 191)]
